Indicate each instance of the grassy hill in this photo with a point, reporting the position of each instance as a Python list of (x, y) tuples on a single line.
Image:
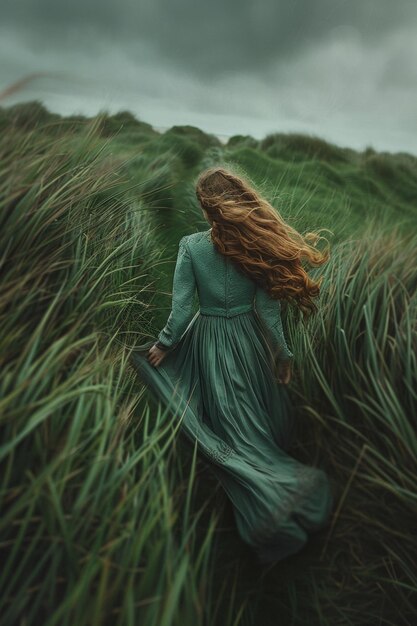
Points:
[(108, 517)]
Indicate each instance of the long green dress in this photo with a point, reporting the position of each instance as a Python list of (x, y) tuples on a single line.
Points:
[(219, 377)]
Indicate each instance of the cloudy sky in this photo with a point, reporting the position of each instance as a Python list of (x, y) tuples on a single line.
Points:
[(344, 70)]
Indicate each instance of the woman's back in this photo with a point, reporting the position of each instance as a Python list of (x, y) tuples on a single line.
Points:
[(223, 291), (221, 287)]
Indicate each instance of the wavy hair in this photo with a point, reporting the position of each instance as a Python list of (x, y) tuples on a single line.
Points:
[(252, 233)]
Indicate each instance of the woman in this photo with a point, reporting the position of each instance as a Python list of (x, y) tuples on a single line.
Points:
[(224, 368)]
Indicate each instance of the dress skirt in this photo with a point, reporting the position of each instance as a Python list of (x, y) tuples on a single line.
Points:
[(220, 380)]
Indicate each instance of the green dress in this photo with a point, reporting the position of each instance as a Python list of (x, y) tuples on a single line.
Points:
[(219, 378)]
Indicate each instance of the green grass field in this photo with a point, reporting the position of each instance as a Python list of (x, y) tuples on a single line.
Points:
[(107, 515)]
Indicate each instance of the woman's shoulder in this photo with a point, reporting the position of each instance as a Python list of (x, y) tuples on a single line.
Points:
[(195, 238)]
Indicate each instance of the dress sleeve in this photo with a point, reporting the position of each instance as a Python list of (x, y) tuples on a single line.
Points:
[(269, 312), (183, 292)]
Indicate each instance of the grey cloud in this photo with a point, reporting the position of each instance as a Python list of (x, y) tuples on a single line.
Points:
[(343, 70), (208, 38)]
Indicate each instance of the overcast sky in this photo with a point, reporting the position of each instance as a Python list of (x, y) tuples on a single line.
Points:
[(342, 70)]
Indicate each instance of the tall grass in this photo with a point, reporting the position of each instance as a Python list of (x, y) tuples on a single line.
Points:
[(107, 516), (355, 384), (99, 522)]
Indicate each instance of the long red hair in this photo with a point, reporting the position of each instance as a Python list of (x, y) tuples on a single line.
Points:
[(252, 233)]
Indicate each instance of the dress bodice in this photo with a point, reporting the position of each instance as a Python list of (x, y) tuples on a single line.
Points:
[(222, 289)]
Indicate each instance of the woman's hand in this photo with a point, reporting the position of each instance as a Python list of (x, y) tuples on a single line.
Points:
[(284, 371), (156, 355)]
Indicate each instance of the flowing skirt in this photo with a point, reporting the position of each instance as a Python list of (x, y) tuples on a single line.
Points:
[(220, 378)]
